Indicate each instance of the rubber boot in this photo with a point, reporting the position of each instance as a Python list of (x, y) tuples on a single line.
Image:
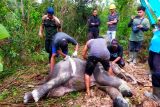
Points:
[(156, 92), (135, 57), (130, 57), (155, 95)]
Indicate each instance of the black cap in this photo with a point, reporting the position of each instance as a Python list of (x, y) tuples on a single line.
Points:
[(114, 42), (63, 43)]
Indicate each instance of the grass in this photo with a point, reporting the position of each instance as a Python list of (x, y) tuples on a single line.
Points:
[(17, 81)]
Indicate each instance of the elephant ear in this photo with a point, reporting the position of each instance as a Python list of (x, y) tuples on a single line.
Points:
[(3, 32)]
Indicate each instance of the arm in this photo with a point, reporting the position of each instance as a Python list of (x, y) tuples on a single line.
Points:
[(74, 42), (145, 27), (52, 62), (58, 23), (117, 59), (130, 23), (120, 54), (114, 21), (61, 53), (41, 29), (84, 52), (76, 48), (90, 23), (98, 22)]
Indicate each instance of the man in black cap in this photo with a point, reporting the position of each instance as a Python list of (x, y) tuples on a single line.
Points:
[(60, 46), (116, 53)]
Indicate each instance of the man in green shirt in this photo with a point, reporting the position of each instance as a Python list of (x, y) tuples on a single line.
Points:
[(139, 25)]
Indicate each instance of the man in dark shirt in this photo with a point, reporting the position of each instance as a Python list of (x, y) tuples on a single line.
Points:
[(93, 24), (51, 25), (60, 46), (116, 53)]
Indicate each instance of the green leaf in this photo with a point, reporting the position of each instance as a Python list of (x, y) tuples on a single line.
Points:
[(3, 32)]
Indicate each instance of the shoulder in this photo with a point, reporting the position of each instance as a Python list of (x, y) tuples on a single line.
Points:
[(89, 41), (120, 47), (44, 17), (109, 47), (56, 19), (146, 20), (91, 17), (116, 14)]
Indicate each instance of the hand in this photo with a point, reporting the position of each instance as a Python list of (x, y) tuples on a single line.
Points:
[(113, 63), (40, 34), (84, 57), (109, 23), (92, 23), (139, 26), (67, 57), (75, 54), (132, 17)]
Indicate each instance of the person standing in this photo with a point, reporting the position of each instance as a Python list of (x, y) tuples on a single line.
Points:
[(139, 25), (112, 23), (93, 25), (153, 62), (51, 25), (98, 52)]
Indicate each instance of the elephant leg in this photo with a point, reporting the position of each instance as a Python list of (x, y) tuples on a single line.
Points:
[(59, 91), (118, 100), (123, 74), (103, 79), (28, 97), (53, 83)]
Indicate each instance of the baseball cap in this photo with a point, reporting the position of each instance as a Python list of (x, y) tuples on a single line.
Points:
[(114, 42), (63, 43)]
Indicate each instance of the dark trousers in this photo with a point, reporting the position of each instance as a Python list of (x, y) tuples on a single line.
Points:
[(48, 47), (154, 65), (156, 79), (92, 62), (93, 35), (135, 46), (154, 61)]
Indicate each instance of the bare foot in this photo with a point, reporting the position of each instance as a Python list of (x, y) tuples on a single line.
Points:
[(88, 93)]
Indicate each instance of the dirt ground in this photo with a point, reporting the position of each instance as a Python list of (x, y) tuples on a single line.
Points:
[(13, 88), (26, 80)]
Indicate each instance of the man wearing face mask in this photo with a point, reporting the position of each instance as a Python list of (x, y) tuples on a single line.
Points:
[(116, 53), (51, 25)]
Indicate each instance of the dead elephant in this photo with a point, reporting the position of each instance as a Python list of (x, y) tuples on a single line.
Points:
[(68, 76)]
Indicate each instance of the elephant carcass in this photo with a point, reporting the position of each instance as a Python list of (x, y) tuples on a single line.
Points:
[(68, 76)]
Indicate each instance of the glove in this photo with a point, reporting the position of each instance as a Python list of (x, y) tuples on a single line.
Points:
[(74, 54), (67, 57)]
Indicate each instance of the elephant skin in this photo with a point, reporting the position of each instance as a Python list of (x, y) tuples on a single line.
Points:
[(68, 76)]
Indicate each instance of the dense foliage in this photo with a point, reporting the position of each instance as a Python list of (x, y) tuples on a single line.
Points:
[(22, 19)]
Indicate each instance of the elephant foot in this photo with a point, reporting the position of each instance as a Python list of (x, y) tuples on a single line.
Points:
[(120, 102), (27, 97), (127, 93)]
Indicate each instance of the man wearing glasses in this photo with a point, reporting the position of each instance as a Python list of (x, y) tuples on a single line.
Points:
[(139, 25)]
